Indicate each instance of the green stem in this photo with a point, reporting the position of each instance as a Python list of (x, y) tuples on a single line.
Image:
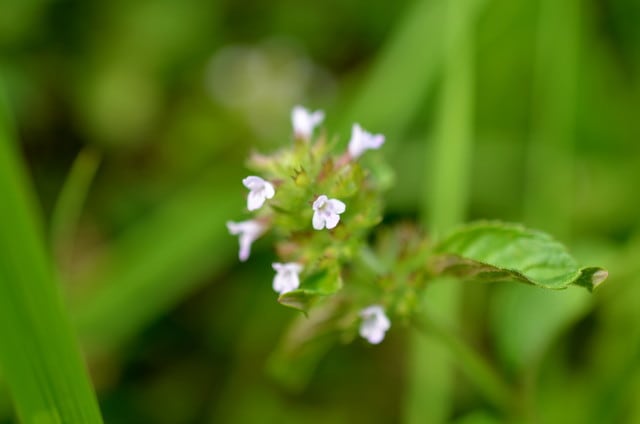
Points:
[(489, 383), (431, 388)]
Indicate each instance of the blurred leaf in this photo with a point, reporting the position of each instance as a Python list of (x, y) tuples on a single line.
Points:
[(478, 417), (322, 283), (73, 195), (403, 73), (160, 261), (550, 182), (299, 299), (522, 334), (40, 358), (495, 251)]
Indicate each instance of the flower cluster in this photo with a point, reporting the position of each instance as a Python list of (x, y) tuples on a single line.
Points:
[(320, 209)]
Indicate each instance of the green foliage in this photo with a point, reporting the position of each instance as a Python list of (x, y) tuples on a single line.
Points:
[(543, 92), (322, 283)]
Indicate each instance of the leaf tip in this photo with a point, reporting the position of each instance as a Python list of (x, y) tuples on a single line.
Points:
[(598, 278), (296, 299), (591, 278)]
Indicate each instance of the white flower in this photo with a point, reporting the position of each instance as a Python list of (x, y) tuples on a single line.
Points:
[(374, 324), (304, 121), (327, 212), (362, 140), (287, 277), (259, 191), (247, 232)]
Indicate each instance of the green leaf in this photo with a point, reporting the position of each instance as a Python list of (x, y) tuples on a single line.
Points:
[(495, 251), (299, 299), (39, 355), (319, 284)]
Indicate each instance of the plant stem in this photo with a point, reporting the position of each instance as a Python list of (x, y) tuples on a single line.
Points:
[(486, 379), (444, 202)]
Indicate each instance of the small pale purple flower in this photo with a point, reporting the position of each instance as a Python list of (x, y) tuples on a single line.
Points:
[(362, 140), (259, 191), (326, 212), (374, 324), (287, 277), (247, 232), (304, 121)]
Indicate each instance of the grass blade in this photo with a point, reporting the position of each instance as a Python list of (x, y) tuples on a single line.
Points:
[(39, 355)]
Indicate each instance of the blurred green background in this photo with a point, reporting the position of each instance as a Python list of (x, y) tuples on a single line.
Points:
[(134, 121)]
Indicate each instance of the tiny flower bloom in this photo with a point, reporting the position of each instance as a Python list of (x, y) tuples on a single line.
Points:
[(374, 324), (259, 191), (287, 277), (327, 212), (304, 121), (247, 232), (361, 140)]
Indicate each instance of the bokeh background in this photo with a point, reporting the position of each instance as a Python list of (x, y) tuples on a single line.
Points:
[(135, 119)]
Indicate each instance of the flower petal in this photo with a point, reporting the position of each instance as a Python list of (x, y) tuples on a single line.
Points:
[(287, 278), (362, 140), (269, 190), (245, 248), (255, 200), (375, 142), (375, 336), (316, 118), (337, 206), (318, 221), (295, 267), (319, 202), (233, 227), (374, 324), (251, 182), (331, 220)]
